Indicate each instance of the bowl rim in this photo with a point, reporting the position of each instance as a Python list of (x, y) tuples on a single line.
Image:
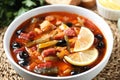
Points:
[(7, 51)]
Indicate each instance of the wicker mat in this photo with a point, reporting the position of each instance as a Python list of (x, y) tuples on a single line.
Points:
[(110, 72)]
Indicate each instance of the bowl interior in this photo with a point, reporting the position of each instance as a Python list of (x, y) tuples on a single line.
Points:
[(102, 25)]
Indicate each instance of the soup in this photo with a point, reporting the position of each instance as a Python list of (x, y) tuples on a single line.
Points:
[(58, 44)]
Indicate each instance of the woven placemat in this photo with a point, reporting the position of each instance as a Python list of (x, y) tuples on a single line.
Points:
[(110, 72)]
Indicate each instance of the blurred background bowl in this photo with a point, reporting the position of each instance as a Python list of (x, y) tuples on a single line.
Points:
[(106, 11)]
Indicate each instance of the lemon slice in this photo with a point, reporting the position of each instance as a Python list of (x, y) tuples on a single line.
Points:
[(85, 39), (82, 58)]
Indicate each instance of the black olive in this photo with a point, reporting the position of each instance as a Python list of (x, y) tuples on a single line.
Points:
[(23, 54), (18, 57), (74, 72), (85, 68), (99, 37), (15, 45), (19, 31), (100, 45), (23, 62), (69, 24), (61, 43)]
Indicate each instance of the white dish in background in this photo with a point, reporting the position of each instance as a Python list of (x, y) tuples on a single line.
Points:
[(88, 75), (107, 13)]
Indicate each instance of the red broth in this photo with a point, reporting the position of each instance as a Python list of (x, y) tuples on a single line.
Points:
[(28, 51)]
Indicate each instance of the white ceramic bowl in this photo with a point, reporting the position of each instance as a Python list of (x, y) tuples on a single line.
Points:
[(107, 13), (88, 75)]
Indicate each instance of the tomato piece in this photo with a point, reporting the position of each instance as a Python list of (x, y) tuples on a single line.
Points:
[(19, 50), (45, 64), (70, 32), (59, 36), (49, 52)]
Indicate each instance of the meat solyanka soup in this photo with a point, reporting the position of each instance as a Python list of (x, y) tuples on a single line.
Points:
[(58, 44)]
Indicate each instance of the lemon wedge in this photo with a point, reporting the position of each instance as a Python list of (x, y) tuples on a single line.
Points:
[(84, 40), (82, 58)]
